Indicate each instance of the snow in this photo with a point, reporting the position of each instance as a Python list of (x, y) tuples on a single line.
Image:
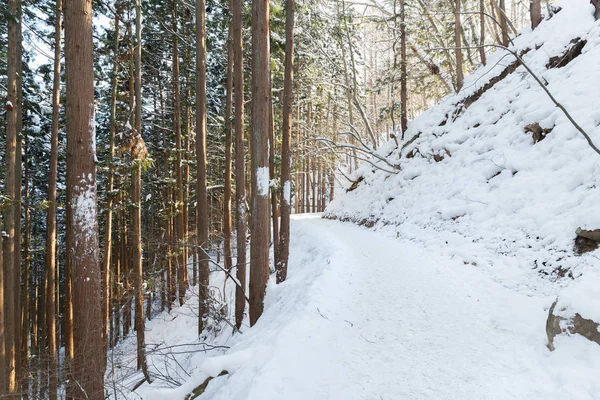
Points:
[(84, 207), (262, 180), (496, 198), (287, 192), (582, 297), (365, 315)]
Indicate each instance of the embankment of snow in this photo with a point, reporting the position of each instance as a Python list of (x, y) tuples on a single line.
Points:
[(473, 184)]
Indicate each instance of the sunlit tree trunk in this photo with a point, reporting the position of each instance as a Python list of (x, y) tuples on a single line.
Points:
[(259, 246), (106, 262), (11, 194), (286, 145), (88, 362), (240, 162), (201, 192), (51, 216), (227, 257)]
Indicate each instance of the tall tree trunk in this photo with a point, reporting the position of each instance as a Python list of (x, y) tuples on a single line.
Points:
[(272, 145), (240, 162), (11, 194), (201, 192), (259, 247), (3, 374), (106, 262), (482, 31), (286, 144), (51, 216), (138, 154), (88, 362), (180, 232), (535, 9), (18, 206), (228, 148), (503, 22), (458, 47), (403, 74)]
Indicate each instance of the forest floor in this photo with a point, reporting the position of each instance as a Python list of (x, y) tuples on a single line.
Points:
[(366, 315)]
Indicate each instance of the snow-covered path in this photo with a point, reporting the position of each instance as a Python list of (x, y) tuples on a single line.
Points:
[(368, 316), (391, 321)]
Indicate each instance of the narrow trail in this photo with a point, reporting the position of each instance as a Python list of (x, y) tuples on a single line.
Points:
[(366, 316)]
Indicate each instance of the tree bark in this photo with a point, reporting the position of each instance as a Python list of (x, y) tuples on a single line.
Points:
[(273, 192), (11, 194), (535, 10), (51, 216), (259, 247), (227, 257), (201, 192), (109, 212), (180, 231), (458, 45), (139, 153), (503, 22), (403, 74), (482, 31), (286, 145), (88, 362), (240, 162)]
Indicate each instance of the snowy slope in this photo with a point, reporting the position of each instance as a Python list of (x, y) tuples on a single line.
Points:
[(496, 199)]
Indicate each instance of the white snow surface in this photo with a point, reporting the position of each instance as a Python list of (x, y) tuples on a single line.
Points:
[(364, 315), (262, 180)]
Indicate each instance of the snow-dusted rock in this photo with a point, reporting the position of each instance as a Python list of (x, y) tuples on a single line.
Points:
[(576, 311)]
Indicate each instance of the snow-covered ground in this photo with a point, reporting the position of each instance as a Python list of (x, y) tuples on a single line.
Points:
[(366, 315)]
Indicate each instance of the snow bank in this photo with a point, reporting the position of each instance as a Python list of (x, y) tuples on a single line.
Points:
[(472, 177)]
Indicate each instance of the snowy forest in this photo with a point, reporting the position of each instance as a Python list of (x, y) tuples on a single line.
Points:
[(299, 199)]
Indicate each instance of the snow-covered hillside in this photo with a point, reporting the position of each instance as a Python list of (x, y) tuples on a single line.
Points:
[(472, 183)]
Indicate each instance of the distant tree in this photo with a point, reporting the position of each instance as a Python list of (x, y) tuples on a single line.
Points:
[(458, 46), (535, 9)]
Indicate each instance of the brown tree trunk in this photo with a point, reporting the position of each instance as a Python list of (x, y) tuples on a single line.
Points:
[(228, 148), (180, 232), (201, 192), (3, 374), (272, 145), (403, 73), (503, 22), (18, 208), (259, 247), (482, 31), (88, 362), (535, 9), (286, 144), (240, 162), (106, 262), (458, 47), (51, 216), (138, 155), (10, 275)]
